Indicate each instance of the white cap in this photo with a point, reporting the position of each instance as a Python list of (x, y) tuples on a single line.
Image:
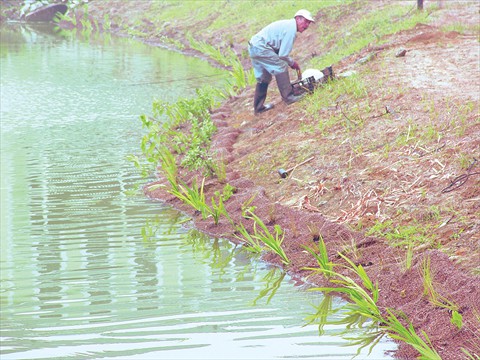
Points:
[(306, 14)]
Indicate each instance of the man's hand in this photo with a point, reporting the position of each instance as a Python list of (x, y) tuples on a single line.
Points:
[(295, 66)]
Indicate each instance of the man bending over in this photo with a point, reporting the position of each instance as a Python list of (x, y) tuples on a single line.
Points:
[(269, 51)]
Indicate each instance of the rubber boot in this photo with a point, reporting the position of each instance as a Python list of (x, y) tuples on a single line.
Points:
[(259, 99), (286, 89)]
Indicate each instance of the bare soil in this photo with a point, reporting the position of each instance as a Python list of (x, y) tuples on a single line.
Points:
[(363, 176)]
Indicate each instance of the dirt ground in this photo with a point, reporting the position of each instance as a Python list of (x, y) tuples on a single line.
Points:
[(343, 191), (443, 66), (449, 65)]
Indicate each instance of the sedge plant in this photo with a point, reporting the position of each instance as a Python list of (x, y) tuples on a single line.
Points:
[(254, 245), (169, 167), (437, 299), (407, 334), (364, 298), (273, 241), (321, 257), (193, 196), (218, 208)]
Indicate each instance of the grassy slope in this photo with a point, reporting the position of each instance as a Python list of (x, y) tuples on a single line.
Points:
[(371, 144)]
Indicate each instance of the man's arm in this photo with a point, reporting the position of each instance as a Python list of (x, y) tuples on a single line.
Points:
[(287, 45)]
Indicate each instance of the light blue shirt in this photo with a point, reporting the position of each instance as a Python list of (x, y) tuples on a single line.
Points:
[(279, 36)]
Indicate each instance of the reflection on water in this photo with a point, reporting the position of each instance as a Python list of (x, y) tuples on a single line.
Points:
[(79, 277)]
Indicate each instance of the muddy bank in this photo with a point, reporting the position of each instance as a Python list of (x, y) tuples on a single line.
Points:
[(401, 289), (344, 189)]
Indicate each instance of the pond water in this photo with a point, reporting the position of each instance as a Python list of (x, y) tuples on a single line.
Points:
[(77, 279)]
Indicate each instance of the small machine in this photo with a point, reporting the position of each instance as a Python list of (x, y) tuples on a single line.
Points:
[(311, 79)]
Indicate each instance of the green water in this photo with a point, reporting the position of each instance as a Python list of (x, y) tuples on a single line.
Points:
[(77, 279)]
